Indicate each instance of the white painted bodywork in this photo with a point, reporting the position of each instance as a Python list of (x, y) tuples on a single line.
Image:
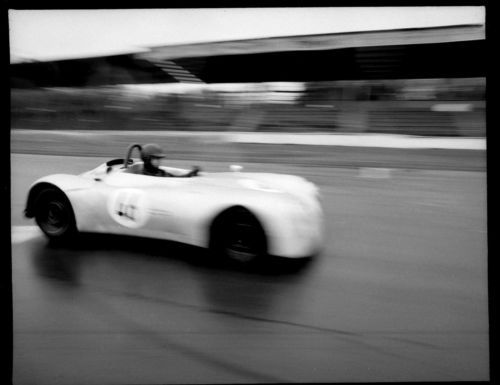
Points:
[(182, 209)]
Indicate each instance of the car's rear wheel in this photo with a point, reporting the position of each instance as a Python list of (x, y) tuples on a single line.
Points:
[(238, 236), (54, 214)]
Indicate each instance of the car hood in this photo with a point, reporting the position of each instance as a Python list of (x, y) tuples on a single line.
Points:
[(265, 182)]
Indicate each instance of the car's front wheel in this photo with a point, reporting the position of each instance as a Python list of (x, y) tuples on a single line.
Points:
[(54, 214), (238, 236)]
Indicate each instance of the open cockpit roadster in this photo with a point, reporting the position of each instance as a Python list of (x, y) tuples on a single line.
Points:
[(237, 214)]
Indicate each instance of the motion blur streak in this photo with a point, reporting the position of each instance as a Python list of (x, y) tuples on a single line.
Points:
[(21, 234)]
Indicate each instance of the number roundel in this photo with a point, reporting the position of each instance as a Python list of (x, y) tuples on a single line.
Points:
[(129, 207)]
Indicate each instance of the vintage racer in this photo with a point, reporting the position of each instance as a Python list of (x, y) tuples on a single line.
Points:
[(237, 214)]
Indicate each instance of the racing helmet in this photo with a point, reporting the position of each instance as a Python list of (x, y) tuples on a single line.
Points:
[(151, 150)]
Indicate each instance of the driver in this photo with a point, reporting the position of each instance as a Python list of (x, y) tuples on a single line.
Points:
[(151, 155)]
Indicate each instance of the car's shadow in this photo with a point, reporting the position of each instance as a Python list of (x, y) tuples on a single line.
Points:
[(196, 256), (163, 274)]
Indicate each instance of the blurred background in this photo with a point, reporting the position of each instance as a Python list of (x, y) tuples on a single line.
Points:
[(414, 72), (430, 107)]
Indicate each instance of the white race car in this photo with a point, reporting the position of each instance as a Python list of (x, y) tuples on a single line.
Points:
[(240, 215)]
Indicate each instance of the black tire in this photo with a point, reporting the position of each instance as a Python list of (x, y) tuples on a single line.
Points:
[(239, 237), (54, 215)]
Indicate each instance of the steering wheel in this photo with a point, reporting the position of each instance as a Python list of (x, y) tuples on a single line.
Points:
[(128, 159)]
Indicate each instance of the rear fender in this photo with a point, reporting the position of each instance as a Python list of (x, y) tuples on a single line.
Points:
[(63, 182)]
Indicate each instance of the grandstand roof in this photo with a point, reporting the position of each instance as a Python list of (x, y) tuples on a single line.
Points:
[(448, 51), (407, 36)]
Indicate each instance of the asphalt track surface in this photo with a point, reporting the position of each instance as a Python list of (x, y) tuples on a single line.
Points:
[(398, 294)]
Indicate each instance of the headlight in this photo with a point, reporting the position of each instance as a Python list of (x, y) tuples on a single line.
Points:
[(316, 192)]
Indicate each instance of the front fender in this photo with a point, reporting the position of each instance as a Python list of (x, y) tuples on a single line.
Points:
[(290, 230)]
